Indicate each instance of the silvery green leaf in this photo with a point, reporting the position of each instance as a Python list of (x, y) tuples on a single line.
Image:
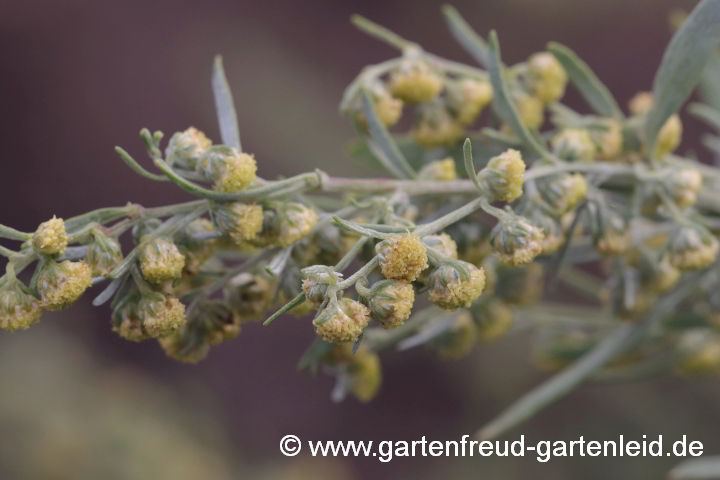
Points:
[(463, 33), (382, 145), (503, 104), (358, 342), (227, 118), (413, 153), (682, 65), (278, 262), (709, 85), (706, 468), (317, 350), (585, 80), (708, 114)]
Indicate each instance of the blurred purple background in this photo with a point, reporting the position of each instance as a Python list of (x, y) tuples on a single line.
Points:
[(78, 77)]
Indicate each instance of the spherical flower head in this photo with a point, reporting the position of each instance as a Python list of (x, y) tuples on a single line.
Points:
[(692, 248), (664, 277), (126, 322), (414, 82), (529, 108), (160, 260), (434, 126), (516, 242), (641, 103), (250, 295), (684, 184), (241, 221), (195, 251), (346, 321), (459, 339), (616, 237), (505, 176), (392, 303), (18, 307), (546, 77), (50, 237), (450, 288), (103, 255), (182, 347), (402, 257), (468, 97), (609, 140), (226, 330), (574, 144), (669, 136), (553, 235), (285, 226), (365, 375), (61, 284), (315, 292), (443, 243), (228, 169), (439, 170), (187, 147), (493, 319), (388, 109), (161, 315), (563, 192)]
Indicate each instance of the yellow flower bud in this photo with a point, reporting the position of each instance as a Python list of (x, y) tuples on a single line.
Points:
[(365, 375), (435, 127), (18, 307), (440, 170), (391, 302), (692, 248), (187, 147), (161, 315), (103, 255), (414, 82), (459, 339), (228, 169), (346, 322), (161, 260), (467, 98), (553, 235), (684, 184), (546, 77), (493, 319), (519, 285), (61, 284), (609, 140), (641, 103), (516, 242), (241, 221), (505, 176), (127, 323), (703, 360), (285, 226), (179, 347), (574, 144), (250, 295), (663, 277), (449, 289), (562, 192), (387, 108), (196, 252), (50, 237), (615, 238), (529, 109), (669, 136), (443, 243), (402, 257)]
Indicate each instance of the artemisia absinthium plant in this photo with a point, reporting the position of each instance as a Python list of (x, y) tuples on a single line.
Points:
[(439, 260)]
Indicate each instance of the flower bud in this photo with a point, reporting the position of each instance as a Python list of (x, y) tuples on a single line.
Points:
[(184, 345), (451, 288), (684, 184), (661, 277), (641, 103), (442, 243), (217, 320), (160, 260), (467, 98), (187, 148), (196, 252), (286, 225), (529, 109), (515, 241), (692, 248), (365, 375), (241, 221), (103, 255), (227, 168), (50, 237), (19, 308), (562, 192), (61, 284), (471, 238), (505, 176), (391, 302), (250, 296), (414, 82), (387, 108), (161, 315), (402, 257), (345, 321), (433, 126), (553, 235), (459, 339), (125, 319), (704, 359), (609, 140), (519, 285), (493, 319), (613, 237), (546, 77), (669, 136), (574, 144), (440, 170)]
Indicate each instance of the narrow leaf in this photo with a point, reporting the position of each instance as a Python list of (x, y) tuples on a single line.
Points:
[(682, 65), (109, 291), (709, 86), (503, 104), (382, 144), (315, 352), (706, 113), (585, 80), (278, 262), (470, 166), (464, 34), (225, 107)]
